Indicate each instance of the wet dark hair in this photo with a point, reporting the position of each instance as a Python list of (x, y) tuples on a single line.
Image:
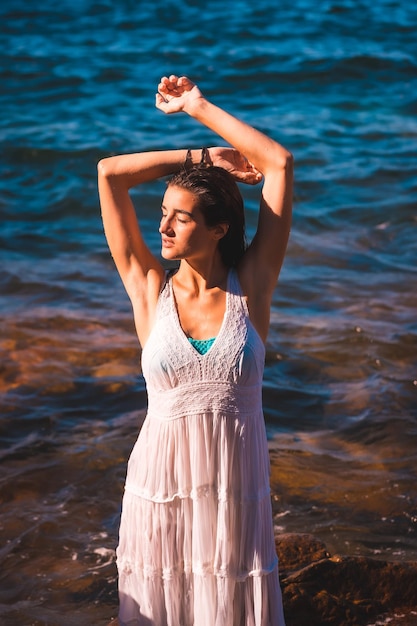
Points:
[(220, 202)]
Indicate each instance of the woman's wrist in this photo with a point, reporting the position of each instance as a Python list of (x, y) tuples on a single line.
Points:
[(195, 107)]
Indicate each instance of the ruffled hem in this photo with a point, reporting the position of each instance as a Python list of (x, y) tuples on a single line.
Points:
[(203, 491), (193, 600), (205, 536), (203, 570)]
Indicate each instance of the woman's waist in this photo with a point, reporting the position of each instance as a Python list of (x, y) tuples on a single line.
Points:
[(203, 397)]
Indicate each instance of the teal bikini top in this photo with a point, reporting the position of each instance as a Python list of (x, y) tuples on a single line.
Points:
[(202, 345)]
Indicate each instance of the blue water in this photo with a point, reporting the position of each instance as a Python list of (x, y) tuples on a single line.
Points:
[(336, 83)]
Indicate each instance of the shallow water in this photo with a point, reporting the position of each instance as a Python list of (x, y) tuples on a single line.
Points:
[(336, 83)]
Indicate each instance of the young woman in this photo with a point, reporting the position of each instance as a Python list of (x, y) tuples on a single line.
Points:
[(196, 545)]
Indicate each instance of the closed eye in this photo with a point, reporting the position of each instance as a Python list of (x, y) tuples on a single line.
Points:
[(180, 215)]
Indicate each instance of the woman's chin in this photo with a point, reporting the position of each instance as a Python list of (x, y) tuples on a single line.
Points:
[(168, 254)]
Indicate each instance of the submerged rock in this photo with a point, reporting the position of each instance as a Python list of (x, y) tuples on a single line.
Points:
[(324, 590)]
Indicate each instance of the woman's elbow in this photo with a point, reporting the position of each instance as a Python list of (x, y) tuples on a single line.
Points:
[(281, 161), (104, 168), (279, 158), (287, 161)]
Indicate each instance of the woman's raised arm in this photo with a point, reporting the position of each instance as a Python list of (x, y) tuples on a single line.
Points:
[(141, 272), (262, 262)]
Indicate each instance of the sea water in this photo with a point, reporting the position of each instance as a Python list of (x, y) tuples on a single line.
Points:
[(336, 83)]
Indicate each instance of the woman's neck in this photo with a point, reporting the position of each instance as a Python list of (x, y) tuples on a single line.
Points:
[(200, 277)]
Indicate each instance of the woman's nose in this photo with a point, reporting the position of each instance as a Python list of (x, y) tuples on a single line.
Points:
[(165, 225)]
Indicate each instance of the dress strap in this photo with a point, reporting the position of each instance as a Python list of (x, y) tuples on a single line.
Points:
[(236, 292), (163, 305)]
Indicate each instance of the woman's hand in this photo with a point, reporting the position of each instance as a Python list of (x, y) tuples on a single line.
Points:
[(177, 94), (236, 163)]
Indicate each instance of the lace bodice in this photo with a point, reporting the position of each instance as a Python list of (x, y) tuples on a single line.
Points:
[(228, 377)]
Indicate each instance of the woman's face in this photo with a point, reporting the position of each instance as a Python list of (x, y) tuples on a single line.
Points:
[(183, 231)]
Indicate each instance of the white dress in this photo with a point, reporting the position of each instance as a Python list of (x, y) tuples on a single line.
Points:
[(196, 545)]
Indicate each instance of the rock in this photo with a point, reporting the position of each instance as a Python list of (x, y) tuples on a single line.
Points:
[(298, 551), (324, 590)]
